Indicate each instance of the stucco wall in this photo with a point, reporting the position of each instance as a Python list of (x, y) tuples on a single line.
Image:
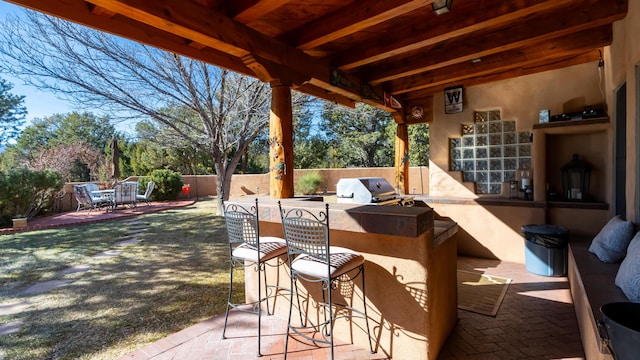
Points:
[(494, 231), (621, 63), (519, 99)]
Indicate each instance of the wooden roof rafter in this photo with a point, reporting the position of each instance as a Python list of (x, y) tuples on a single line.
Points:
[(348, 51)]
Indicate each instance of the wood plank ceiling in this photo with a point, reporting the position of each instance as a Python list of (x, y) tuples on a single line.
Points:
[(357, 50)]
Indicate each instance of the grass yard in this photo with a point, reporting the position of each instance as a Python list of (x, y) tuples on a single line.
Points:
[(175, 277)]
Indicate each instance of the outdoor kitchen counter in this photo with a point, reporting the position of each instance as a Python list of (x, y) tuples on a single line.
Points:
[(410, 273)]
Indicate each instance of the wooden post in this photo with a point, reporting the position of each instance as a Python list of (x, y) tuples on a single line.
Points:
[(402, 158), (281, 143)]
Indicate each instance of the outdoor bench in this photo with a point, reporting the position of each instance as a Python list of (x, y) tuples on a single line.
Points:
[(592, 285)]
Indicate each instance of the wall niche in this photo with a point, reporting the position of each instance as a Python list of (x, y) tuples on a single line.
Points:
[(490, 151)]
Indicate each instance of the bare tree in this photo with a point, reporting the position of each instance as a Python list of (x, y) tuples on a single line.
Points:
[(217, 111), (63, 158)]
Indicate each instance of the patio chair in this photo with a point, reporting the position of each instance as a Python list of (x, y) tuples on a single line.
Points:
[(313, 259), (85, 198), (146, 197), (125, 194), (247, 249)]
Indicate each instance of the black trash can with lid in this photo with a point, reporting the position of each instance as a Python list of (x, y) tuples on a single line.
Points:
[(546, 249)]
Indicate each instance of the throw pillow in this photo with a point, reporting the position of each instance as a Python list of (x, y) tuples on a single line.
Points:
[(610, 245), (628, 277)]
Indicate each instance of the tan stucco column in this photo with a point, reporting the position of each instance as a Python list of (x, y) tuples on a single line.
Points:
[(402, 158), (281, 143)]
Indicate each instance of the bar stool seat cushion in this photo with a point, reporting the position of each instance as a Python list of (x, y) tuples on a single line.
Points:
[(342, 260), (270, 247)]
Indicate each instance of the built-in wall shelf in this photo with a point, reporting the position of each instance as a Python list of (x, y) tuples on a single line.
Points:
[(555, 143), (573, 126)]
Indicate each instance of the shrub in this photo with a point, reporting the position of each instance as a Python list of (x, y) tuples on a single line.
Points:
[(309, 183), (168, 184), (25, 193)]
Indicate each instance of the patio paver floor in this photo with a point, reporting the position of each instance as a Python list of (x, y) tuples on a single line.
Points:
[(536, 321)]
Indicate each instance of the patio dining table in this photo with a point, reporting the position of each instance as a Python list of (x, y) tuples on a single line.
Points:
[(107, 195)]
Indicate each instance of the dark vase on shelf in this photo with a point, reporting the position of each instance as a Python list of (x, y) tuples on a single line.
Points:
[(575, 179)]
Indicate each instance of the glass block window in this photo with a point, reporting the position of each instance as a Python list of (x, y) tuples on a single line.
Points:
[(490, 151)]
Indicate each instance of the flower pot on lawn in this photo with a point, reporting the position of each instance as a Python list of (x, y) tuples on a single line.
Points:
[(20, 223)]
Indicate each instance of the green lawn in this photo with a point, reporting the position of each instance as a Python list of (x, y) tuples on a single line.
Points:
[(175, 277)]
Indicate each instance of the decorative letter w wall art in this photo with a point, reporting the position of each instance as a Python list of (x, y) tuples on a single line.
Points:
[(453, 100)]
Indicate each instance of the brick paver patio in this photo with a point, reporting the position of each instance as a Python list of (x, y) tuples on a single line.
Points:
[(536, 321)]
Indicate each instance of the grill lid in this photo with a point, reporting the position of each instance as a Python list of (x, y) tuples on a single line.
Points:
[(364, 190)]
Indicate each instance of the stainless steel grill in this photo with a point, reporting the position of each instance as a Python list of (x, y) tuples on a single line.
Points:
[(373, 191)]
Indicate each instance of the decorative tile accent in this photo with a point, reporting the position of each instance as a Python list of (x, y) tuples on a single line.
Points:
[(468, 165), (467, 153), (510, 164), (480, 116), (490, 151), (468, 176), (524, 137), (482, 165), (509, 138), (495, 177), (495, 127), (495, 139), (456, 165), (481, 128), (495, 151), (509, 126)]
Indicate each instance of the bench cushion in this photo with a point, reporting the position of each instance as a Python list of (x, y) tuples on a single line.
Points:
[(628, 277), (610, 245), (598, 278)]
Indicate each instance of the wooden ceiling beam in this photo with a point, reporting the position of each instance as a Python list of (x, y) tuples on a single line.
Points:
[(538, 28), (356, 17), (440, 29), (591, 56), (252, 10), (78, 11), (211, 28), (547, 52), (325, 95)]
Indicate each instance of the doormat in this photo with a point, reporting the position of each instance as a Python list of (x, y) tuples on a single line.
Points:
[(481, 293)]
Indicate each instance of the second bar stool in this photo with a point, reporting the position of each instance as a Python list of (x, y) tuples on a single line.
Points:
[(313, 259)]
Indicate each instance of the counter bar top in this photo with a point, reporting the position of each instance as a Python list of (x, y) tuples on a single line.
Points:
[(386, 220)]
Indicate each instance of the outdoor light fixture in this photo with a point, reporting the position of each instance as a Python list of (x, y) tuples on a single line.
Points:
[(441, 6)]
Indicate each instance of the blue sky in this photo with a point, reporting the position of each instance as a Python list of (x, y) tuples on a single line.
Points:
[(39, 104)]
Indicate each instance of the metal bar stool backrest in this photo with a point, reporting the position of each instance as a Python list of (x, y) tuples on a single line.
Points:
[(242, 225), (306, 233)]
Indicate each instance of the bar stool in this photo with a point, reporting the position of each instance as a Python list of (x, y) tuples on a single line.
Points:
[(312, 259), (247, 248)]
